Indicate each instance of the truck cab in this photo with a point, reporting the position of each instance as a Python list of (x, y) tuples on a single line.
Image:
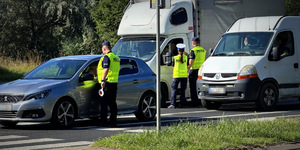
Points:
[(138, 29)]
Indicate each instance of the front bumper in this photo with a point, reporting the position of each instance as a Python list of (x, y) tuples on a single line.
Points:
[(31, 110), (229, 91)]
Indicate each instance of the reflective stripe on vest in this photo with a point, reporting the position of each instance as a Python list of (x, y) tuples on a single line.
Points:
[(199, 57), (113, 71), (180, 69)]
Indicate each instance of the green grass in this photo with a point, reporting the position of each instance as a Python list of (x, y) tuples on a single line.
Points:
[(12, 69), (208, 135)]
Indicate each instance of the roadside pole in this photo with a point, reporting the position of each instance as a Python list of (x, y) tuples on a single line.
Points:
[(158, 4), (158, 100)]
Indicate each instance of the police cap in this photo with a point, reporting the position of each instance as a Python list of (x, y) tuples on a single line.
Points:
[(106, 43), (180, 46), (196, 39)]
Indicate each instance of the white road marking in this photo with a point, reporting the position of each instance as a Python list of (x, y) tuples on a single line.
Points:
[(8, 137), (28, 141), (52, 146)]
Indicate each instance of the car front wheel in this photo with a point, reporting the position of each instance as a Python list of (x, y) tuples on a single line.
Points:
[(147, 107), (268, 97), (63, 115)]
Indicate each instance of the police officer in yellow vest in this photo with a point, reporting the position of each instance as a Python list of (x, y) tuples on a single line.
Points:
[(180, 74), (196, 59), (108, 74)]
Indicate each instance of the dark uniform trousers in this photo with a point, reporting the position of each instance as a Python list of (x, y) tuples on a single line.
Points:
[(175, 90), (109, 99), (193, 76)]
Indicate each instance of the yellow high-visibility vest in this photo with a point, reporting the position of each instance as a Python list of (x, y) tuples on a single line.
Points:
[(113, 70), (180, 69), (199, 57)]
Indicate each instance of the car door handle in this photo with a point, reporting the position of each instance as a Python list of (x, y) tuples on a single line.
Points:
[(135, 81), (296, 65)]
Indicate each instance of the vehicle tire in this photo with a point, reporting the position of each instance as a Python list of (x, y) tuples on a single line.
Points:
[(210, 104), (164, 97), (63, 115), (147, 107), (268, 97), (8, 123)]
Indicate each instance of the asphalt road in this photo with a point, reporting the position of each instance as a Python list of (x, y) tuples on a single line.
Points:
[(43, 136)]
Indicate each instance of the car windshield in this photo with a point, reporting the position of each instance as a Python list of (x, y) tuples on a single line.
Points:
[(56, 69), (243, 44), (143, 48)]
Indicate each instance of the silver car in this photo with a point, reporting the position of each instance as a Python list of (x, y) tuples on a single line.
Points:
[(66, 88)]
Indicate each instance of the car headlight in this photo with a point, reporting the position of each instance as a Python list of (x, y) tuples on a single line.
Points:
[(38, 95), (247, 72)]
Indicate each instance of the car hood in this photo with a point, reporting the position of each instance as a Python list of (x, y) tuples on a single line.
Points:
[(23, 86), (228, 64)]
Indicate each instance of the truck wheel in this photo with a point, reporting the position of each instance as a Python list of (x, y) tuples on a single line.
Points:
[(268, 97), (164, 97), (63, 115), (147, 107), (8, 123), (210, 104)]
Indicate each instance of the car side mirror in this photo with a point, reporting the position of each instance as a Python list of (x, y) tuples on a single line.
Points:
[(168, 58), (211, 50), (86, 77), (274, 55)]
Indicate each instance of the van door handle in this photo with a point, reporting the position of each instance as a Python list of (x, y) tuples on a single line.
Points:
[(296, 65), (135, 81)]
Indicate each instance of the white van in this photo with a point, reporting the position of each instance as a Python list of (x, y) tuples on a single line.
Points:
[(257, 59)]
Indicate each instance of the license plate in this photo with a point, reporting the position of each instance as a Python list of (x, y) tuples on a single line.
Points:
[(5, 107), (216, 90)]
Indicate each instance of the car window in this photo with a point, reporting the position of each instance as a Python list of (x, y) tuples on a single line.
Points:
[(92, 68), (128, 66), (56, 69)]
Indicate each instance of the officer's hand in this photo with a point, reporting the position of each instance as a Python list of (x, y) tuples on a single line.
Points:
[(103, 85)]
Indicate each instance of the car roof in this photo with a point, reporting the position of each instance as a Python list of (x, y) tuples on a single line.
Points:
[(91, 57)]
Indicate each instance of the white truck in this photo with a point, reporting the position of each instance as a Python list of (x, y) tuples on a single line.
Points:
[(257, 60), (207, 19)]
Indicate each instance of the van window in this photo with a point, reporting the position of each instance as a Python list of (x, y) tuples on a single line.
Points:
[(285, 44), (243, 44), (171, 47), (179, 16), (128, 66)]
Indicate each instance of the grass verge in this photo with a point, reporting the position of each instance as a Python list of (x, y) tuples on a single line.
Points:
[(224, 134), (12, 69)]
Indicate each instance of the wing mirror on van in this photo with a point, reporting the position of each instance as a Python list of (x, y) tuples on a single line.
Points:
[(86, 76), (211, 50), (274, 55), (167, 59)]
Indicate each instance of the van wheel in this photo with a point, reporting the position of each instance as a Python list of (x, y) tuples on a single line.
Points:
[(8, 123), (63, 115), (210, 104), (147, 107), (268, 97)]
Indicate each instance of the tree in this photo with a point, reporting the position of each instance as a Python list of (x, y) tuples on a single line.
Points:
[(45, 26), (292, 7), (107, 14)]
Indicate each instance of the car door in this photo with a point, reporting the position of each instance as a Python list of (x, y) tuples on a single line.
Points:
[(88, 98), (286, 69), (128, 90)]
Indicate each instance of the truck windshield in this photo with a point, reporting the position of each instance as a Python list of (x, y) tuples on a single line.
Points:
[(143, 48), (243, 44)]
